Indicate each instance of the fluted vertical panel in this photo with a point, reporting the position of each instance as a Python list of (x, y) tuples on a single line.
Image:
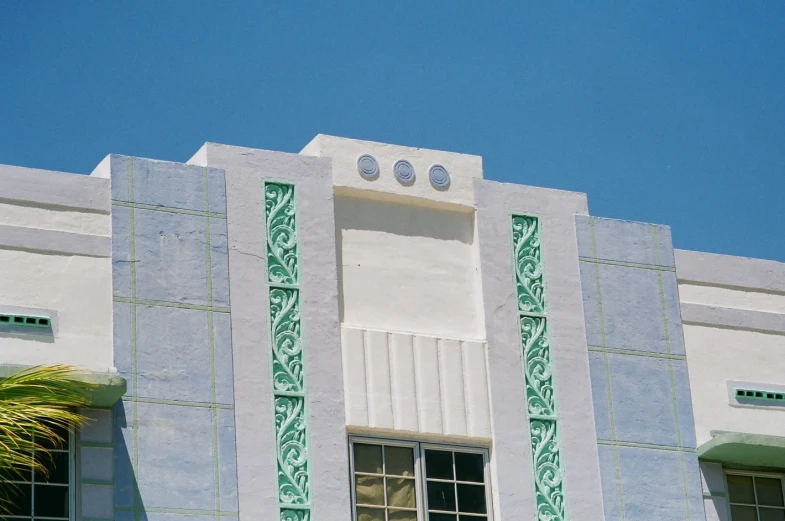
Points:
[(416, 383)]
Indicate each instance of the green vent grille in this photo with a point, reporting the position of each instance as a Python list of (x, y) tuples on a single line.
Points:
[(753, 394), (25, 321)]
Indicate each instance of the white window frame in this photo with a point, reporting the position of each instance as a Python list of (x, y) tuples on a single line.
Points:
[(753, 474), (420, 472), (71, 479)]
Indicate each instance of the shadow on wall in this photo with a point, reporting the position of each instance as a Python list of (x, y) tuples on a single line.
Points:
[(128, 502)]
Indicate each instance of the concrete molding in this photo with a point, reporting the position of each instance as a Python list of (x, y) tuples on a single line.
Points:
[(50, 188), (727, 270), (107, 388), (246, 170), (731, 318), (511, 459), (53, 241), (745, 449)]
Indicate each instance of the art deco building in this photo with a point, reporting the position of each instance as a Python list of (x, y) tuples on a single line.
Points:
[(371, 332)]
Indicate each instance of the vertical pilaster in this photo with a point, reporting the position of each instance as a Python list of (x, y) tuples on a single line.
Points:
[(291, 435), (512, 456)]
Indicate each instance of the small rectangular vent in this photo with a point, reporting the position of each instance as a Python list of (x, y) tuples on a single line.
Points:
[(25, 321), (753, 394)]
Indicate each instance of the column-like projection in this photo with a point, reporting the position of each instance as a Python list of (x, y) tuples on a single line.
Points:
[(538, 369), (286, 344)]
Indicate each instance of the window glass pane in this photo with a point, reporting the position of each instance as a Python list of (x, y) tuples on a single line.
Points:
[(472, 518), (400, 493), (441, 517), (370, 514), (402, 515), (769, 491), (471, 499), (367, 458), (51, 501), (369, 490), (441, 496), (12, 476), (438, 464), (21, 500), (771, 514), (739, 513), (63, 433), (399, 461), (57, 465), (469, 467), (740, 489)]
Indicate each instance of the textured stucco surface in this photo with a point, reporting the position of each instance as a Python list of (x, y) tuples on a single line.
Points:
[(734, 314), (174, 429), (383, 243), (640, 383), (511, 455), (54, 249), (54, 189), (343, 152), (246, 169)]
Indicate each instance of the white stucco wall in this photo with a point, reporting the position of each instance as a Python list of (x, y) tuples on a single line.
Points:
[(733, 310), (408, 268), (55, 248), (343, 152), (410, 297)]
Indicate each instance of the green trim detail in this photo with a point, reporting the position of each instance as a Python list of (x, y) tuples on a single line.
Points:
[(538, 369), (286, 348), (26, 321), (279, 211), (760, 395), (185, 511), (291, 514), (655, 267), (111, 387), (745, 450)]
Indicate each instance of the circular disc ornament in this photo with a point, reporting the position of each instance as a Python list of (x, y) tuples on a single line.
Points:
[(439, 176), (368, 166), (404, 171)]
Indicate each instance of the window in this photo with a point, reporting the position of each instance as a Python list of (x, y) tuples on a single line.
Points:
[(399, 481), (35, 496), (755, 497)]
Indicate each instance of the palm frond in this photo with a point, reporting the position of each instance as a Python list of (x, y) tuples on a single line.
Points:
[(38, 407)]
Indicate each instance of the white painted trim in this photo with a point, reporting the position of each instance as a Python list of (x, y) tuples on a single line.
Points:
[(52, 241), (733, 318), (50, 188), (726, 270)]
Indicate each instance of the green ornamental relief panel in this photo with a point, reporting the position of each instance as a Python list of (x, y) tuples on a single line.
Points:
[(291, 436), (538, 369)]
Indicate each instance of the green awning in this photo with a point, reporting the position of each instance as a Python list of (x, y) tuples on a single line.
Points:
[(748, 450), (110, 387)]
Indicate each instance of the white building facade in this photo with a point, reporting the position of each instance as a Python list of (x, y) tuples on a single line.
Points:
[(371, 332)]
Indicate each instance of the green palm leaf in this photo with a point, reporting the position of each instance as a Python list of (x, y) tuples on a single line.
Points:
[(38, 407)]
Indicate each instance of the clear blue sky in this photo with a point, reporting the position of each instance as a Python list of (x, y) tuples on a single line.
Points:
[(667, 112)]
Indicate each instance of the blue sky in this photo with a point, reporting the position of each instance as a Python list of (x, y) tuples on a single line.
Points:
[(667, 112)]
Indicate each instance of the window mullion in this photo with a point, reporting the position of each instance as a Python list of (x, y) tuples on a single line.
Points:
[(384, 481), (423, 481), (454, 483)]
